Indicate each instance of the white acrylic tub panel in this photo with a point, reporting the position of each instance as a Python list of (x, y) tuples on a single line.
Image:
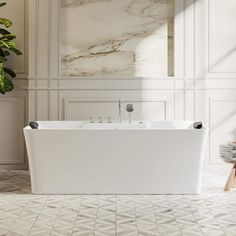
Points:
[(109, 161)]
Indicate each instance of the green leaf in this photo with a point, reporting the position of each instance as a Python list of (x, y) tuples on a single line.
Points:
[(4, 44), (10, 47), (4, 31), (2, 59), (9, 72), (8, 37), (2, 87), (6, 53), (6, 84), (3, 4), (8, 43), (7, 23), (2, 91), (1, 52), (16, 51)]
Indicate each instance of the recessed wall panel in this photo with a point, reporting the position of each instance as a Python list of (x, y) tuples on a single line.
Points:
[(79, 109), (12, 122), (222, 36)]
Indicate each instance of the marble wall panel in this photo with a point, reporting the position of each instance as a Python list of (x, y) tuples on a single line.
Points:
[(131, 38)]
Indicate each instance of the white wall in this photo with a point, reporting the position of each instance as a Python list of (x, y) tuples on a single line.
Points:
[(204, 86), (13, 106)]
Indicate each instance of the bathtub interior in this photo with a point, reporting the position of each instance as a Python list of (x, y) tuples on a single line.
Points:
[(115, 125)]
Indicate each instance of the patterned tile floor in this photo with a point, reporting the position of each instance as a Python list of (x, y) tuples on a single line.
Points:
[(21, 213)]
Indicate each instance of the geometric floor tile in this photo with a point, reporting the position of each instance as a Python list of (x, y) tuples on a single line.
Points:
[(211, 213)]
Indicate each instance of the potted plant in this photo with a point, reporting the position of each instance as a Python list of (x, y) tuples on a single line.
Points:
[(7, 46)]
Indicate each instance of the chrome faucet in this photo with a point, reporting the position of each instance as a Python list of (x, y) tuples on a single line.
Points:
[(120, 111), (91, 120), (130, 109), (99, 119)]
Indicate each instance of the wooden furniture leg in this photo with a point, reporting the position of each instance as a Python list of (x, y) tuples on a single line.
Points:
[(232, 178), (234, 183)]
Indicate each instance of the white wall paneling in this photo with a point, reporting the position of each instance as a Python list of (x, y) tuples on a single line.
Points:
[(158, 106), (189, 38), (12, 121), (13, 109), (221, 39), (82, 109), (215, 39), (179, 34), (217, 109), (197, 92)]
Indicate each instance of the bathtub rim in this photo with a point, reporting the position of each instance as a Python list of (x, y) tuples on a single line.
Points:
[(115, 129)]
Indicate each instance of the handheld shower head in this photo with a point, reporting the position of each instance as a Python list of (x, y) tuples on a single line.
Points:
[(129, 107)]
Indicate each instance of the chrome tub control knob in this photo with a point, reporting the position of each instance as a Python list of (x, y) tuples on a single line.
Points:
[(109, 119), (99, 119)]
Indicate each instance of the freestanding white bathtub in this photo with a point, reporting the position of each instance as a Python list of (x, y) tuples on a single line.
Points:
[(67, 157)]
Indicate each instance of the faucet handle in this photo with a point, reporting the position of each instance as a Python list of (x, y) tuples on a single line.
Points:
[(99, 119), (91, 120), (109, 119)]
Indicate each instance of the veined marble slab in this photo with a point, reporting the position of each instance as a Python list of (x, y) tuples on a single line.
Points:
[(117, 38)]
